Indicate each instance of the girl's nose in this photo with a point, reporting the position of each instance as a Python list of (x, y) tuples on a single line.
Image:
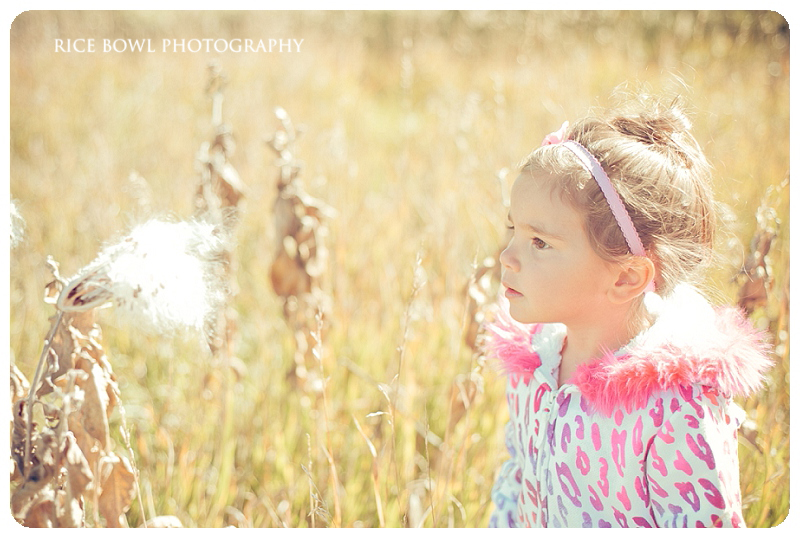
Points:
[(508, 260)]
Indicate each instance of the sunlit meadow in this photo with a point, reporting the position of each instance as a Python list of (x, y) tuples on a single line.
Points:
[(411, 125)]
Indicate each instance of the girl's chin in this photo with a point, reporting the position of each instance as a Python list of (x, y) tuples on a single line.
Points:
[(518, 316)]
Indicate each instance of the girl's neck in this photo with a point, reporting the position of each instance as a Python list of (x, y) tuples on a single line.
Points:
[(584, 344)]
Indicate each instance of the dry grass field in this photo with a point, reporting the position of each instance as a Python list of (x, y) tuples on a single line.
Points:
[(406, 124)]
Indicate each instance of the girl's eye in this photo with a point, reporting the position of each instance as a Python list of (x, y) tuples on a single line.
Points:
[(539, 244)]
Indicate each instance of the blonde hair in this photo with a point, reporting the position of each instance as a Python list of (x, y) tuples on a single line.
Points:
[(662, 177)]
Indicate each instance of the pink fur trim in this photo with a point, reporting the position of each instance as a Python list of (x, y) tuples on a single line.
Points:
[(510, 342), (732, 358), (733, 361)]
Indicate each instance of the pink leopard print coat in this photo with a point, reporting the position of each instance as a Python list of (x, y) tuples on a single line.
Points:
[(644, 437)]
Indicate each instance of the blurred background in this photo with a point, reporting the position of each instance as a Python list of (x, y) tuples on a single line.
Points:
[(412, 124)]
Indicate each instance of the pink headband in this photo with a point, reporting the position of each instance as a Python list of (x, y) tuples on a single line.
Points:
[(592, 165)]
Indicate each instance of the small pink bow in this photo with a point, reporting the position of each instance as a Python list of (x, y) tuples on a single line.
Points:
[(556, 137)]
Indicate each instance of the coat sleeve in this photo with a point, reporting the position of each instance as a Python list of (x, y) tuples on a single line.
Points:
[(508, 484), (692, 467)]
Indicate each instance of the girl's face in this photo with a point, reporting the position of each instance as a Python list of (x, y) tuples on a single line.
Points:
[(550, 271)]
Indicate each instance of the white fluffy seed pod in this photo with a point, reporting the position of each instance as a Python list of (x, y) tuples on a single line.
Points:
[(163, 274)]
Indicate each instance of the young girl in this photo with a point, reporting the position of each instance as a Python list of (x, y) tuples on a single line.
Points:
[(620, 374)]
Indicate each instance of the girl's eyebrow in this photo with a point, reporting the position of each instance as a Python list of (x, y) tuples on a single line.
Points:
[(536, 229)]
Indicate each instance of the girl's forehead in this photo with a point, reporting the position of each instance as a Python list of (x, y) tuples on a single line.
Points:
[(536, 199), (542, 184)]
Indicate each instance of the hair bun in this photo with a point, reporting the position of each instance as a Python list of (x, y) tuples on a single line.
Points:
[(657, 126)]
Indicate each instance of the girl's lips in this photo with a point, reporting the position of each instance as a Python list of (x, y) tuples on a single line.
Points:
[(511, 293)]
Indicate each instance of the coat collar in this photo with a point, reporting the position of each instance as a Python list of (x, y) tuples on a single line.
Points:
[(690, 343)]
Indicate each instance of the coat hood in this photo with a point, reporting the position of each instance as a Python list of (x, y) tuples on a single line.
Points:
[(690, 343)]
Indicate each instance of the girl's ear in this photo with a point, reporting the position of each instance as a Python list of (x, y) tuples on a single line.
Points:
[(633, 278)]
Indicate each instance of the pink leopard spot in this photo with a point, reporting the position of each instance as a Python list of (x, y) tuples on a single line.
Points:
[(636, 439), (665, 433), (681, 464), (713, 496), (566, 437), (640, 491), (701, 449), (657, 462), (657, 413), (579, 429), (622, 521), (711, 394), (685, 392), (657, 489), (537, 397), (618, 449), (568, 485), (692, 422), (595, 499), (526, 418), (596, 436), (603, 482), (622, 495), (689, 494), (582, 462)]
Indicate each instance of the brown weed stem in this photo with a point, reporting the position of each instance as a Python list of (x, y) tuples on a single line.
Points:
[(32, 393)]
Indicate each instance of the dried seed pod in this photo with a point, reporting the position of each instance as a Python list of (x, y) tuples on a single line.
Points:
[(755, 277), (481, 291), (300, 260), (164, 274)]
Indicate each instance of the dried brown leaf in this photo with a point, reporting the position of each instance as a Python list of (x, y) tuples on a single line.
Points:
[(78, 471), (288, 277), (65, 346), (18, 433), (479, 289), (462, 394), (67, 511), (88, 445), (70, 510), (117, 480), (39, 513), (94, 411), (42, 471), (19, 384)]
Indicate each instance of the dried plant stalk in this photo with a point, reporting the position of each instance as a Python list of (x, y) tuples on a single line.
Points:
[(69, 457), (755, 278), (301, 257), (219, 194), (481, 292)]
